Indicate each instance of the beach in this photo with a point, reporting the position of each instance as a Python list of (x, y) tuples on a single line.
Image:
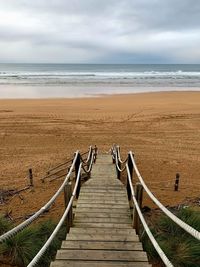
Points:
[(162, 129)]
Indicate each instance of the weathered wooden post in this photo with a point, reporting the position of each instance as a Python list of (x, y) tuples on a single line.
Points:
[(176, 182), (89, 162), (130, 166), (113, 151), (139, 198), (77, 164), (67, 197), (113, 155), (119, 165), (30, 178), (95, 153)]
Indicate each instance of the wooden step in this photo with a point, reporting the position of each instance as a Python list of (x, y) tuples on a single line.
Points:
[(102, 245), (102, 206), (113, 231), (79, 263), (102, 201), (107, 210), (103, 225), (79, 215), (100, 220), (102, 237), (98, 255)]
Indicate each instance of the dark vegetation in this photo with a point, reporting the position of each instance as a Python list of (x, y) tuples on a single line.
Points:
[(182, 249), (22, 248)]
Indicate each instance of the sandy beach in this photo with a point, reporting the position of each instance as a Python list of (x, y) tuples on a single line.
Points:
[(163, 130)]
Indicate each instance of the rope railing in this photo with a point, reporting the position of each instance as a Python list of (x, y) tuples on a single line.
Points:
[(115, 152), (65, 165), (118, 163), (189, 229), (130, 167), (148, 231), (119, 156), (39, 255), (75, 165), (90, 165)]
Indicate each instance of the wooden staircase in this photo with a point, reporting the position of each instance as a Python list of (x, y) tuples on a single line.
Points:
[(102, 233)]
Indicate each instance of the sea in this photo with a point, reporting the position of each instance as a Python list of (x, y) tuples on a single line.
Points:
[(85, 80)]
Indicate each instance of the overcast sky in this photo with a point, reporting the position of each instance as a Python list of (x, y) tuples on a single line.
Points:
[(100, 31)]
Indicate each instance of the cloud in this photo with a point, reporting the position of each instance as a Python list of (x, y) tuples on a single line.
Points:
[(128, 31)]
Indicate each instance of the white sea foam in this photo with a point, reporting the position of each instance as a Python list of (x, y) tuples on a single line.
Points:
[(61, 79)]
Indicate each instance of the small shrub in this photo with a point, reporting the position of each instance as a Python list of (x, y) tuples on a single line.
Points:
[(5, 225), (23, 247), (182, 249)]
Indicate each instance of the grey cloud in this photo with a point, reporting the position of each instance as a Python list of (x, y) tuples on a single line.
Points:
[(106, 30)]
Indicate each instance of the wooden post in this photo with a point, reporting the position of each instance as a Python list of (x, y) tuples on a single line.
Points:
[(139, 198), (31, 177), (176, 184), (119, 165), (95, 153), (118, 172), (67, 197), (130, 165), (113, 151), (77, 164)]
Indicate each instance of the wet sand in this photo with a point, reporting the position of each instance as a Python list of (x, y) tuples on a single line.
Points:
[(163, 130)]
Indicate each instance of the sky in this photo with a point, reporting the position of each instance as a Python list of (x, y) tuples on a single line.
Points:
[(100, 31)]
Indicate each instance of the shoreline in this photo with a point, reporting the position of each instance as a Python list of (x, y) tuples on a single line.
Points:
[(109, 94)]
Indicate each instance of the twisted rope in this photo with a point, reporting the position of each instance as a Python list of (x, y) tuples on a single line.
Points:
[(27, 222), (148, 231), (36, 259), (119, 156), (91, 164), (189, 229), (117, 164)]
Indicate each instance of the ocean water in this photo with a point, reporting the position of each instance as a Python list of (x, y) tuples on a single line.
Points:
[(78, 80)]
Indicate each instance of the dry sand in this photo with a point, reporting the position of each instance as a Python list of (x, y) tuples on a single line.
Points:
[(163, 130)]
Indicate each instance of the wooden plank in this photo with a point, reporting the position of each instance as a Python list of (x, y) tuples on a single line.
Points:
[(101, 181), (102, 245), (103, 186), (111, 183), (106, 197), (102, 206), (107, 210), (102, 237), (102, 196), (101, 220), (101, 215), (103, 225), (103, 201), (128, 256), (78, 263), (103, 191), (114, 231)]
